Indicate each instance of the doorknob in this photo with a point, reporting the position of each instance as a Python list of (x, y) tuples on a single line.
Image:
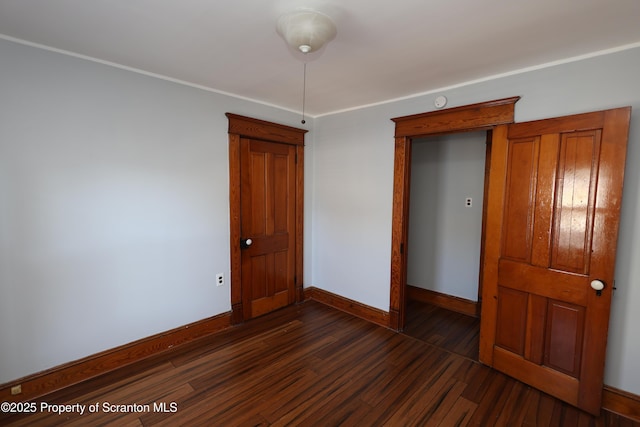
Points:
[(245, 243), (598, 286)]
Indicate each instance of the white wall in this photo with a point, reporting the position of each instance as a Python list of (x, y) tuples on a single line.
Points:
[(353, 179), (114, 206), (445, 234), (351, 229)]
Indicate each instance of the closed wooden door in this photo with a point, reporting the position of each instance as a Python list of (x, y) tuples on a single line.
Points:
[(552, 224), (268, 203)]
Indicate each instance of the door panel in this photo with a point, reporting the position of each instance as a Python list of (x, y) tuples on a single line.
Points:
[(512, 312), (575, 201), (520, 195), (565, 325), (268, 219), (556, 198)]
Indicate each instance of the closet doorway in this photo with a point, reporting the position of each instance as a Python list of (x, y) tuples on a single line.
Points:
[(471, 118), (446, 220)]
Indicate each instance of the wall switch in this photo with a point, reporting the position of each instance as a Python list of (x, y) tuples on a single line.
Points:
[(468, 202), (219, 279)]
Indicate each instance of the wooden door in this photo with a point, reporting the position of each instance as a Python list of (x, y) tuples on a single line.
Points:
[(552, 224), (268, 212)]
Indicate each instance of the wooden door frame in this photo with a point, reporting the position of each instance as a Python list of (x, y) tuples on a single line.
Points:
[(247, 127), (468, 118)]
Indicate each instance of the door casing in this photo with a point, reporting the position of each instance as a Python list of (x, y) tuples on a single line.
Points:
[(246, 127)]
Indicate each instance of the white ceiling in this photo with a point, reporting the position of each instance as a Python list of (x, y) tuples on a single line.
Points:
[(384, 49)]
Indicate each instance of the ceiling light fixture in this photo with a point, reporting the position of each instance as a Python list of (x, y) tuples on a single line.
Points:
[(306, 31)]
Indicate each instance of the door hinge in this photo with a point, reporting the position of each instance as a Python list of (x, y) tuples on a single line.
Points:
[(401, 248)]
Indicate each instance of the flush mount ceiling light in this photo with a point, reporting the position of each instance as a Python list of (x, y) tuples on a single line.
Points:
[(306, 30)]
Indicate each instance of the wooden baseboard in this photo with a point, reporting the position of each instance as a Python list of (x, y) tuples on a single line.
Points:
[(347, 305), (621, 402), (449, 302), (62, 376)]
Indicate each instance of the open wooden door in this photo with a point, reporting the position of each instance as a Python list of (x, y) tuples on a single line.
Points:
[(552, 223)]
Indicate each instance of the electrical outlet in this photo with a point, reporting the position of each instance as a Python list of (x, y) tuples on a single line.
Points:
[(468, 202), (16, 389), (219, 279)]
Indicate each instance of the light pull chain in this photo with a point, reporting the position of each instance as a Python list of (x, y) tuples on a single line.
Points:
[(304, 91)]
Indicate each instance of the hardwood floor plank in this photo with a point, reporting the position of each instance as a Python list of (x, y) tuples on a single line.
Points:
[(513, 412), (531, 408), (300, 413), (407, 380), (546, 409), (445, 402), (419, 405), (226, 394), (343, 409), (452, 331), (290, 397), (478, 382), (460, 414), (490, 405)]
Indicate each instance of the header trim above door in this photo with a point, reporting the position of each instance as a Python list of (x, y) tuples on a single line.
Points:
[(467, 118)]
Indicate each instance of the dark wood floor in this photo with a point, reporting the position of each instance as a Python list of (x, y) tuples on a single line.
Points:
[(312, 365), (446, 329)]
